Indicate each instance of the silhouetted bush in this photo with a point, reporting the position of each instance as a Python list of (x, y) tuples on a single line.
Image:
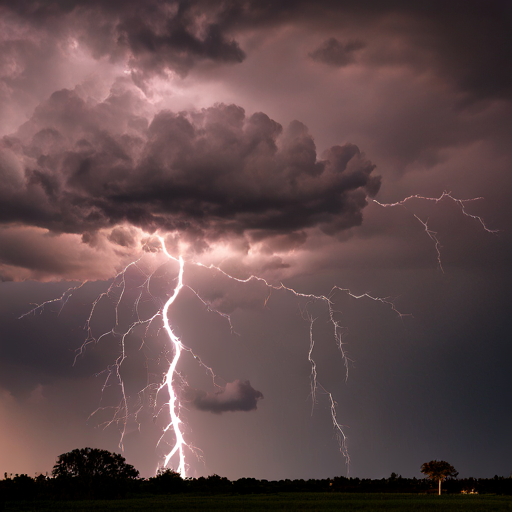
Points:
[(167, 481)]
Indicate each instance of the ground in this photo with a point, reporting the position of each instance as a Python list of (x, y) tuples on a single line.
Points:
[(283, 501)]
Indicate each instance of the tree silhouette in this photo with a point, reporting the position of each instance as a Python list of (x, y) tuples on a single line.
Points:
[(438, 470), (93, 473), (93, 462)]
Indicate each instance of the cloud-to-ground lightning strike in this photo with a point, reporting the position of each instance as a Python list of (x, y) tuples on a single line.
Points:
[(172, 380), (168, 383)]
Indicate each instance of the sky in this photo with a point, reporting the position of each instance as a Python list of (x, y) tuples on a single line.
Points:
[(257, 139)]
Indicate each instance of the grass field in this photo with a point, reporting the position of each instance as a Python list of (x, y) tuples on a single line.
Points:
[(281, 501)]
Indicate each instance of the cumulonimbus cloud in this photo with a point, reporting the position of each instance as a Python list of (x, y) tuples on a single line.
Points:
[(235, 396), (77, 167)]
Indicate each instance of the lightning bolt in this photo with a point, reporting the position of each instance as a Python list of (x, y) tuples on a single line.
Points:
[(461, 203), (63, 299), (174, 404), (169, 378), (173, 381)]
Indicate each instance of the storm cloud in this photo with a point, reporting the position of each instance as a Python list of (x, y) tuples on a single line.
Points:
[(235, 396), (468, 46), (214, 172), (152, 37), (337, 54)]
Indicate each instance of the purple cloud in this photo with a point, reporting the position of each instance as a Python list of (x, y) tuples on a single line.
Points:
[(235, 396)]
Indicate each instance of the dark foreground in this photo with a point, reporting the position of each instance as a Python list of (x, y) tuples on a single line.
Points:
[(280, 501)]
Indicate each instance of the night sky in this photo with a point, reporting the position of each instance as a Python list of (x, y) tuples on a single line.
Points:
[(258, 138)]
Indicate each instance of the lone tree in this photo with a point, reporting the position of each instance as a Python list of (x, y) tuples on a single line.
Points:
[(438, 470), (90, 463)]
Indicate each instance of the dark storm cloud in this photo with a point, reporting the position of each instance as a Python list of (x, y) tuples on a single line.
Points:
[(466, 43), (209, 173), (337, 54), (153, 36), (235, 396), (122, 236)]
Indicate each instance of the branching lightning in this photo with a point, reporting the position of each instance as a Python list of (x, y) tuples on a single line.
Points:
[(63, 299), (460, 202), (172, 381)]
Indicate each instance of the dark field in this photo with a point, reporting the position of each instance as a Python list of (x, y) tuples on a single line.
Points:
[(281, 501)]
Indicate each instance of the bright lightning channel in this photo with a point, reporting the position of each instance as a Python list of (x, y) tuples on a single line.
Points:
[(172, 379), (174, 404)]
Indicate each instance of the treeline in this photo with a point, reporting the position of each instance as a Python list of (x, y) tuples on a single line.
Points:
[(43, 487)]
